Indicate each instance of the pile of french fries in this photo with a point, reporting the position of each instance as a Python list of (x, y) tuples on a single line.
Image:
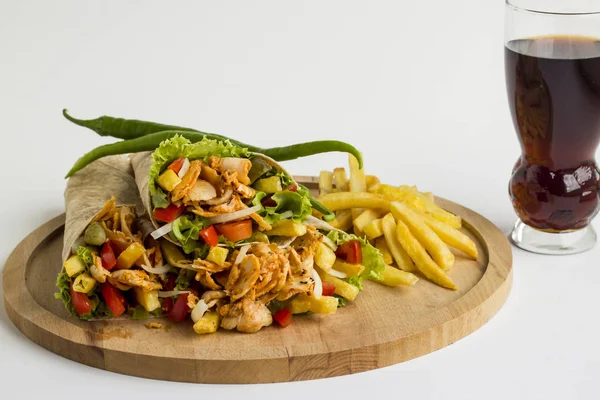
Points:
[(407, 227)]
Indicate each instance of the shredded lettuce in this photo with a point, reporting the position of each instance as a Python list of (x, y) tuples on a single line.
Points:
[(183, 280), (372, 259), (178, 146), (100, 309), (187, 231), (85, 254), (342, 301), (286, 200)]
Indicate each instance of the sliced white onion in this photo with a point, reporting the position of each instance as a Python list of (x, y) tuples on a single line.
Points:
[(286, 243), (242, 254), (172, 293), (329, 243), (320, 224), (184, 168), (162, 231), (318, 291), (161, 269), (199, 310), (287, 215), (219, 219), (337, 274)]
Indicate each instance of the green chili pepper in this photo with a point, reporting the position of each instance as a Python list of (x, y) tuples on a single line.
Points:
[(132, 128), (328, 215)]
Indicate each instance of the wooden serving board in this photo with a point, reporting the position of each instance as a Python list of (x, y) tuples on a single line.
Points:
[(384, 326)]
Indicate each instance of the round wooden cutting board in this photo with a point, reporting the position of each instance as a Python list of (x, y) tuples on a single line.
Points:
[(383, 326)]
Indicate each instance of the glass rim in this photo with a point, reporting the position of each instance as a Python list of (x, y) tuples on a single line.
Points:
[(534, 11)]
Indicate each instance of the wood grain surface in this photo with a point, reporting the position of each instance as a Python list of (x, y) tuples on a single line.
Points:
[(384, 326)]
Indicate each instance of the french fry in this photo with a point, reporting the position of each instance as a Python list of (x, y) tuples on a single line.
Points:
[(366, 218), (325, 182), (423, 261), (373, 183), (438, 250), (343, 220), (358, 184), (381, 245), (342, 288), (341, 180), (344, 201), (350, 270), (409, 195), (400, 255), (452, 237), (374, 229), (395, 277)]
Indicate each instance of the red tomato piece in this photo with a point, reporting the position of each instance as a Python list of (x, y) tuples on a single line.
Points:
[(81, 302), (167, 305), (292, 188), (107, 254), (180, 309), (328, 288), (113, 298), (283, 317), (210, 236), (236, 231), (171, 282), (269, 202), (350, 251), (168, 214), (176, 165)]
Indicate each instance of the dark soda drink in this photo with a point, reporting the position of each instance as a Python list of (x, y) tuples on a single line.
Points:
[(553, 86)]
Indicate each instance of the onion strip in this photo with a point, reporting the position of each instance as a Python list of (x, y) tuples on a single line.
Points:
[(162, 231), (318, 290), (199, 311), (219, 219), (172, 293), (184, 168), (161, 269), (337, 274), (241, 255), (329, 243)]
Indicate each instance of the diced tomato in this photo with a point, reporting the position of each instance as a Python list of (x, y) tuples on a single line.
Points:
[(167, 305), (283, 317), (236, 231), (118, 246), (268, 202), (176, 165), (328, 288), (168, 214), (107, 254), (210, 236), (350, 251), (113, 298), (81, 302), (292, 188), (180, 308)]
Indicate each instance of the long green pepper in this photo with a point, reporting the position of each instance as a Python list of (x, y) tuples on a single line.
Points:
[(147, 136)]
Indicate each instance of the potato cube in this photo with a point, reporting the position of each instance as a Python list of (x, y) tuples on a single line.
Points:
[(74, 265), (147, 298), (342, 288), (299, 304), (324, 257), (218, 255), (287, 227), (130, 255), (324, 305), (168, 180), (84, 283), (209, 323)]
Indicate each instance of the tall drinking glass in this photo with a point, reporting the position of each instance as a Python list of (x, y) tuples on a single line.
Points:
[(552, 65)]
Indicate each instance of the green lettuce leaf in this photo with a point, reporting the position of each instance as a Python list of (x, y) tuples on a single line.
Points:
[(178, 146), (372, 259), (100, 309), (183, 280), (139, 313), (187, 231), (85, 254), (296, 202)]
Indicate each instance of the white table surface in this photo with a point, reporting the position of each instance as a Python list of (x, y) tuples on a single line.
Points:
[(419, 88)]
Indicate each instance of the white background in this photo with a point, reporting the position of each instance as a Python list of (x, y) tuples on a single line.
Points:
[(417, 86)]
